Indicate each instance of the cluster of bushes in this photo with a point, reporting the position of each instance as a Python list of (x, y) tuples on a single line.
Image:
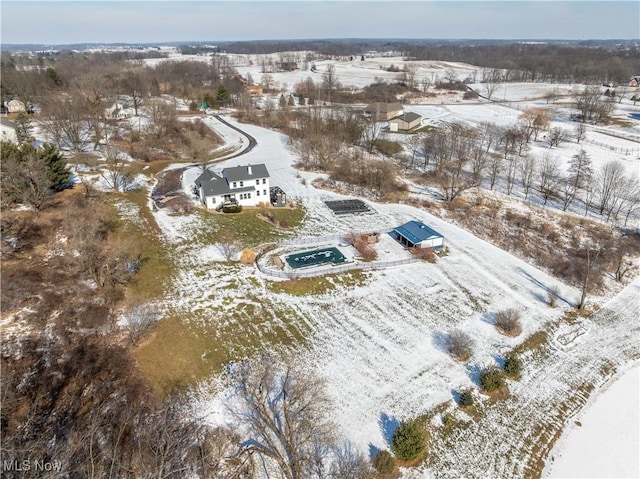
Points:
[(361, 243), (376, 175), (493, 378)]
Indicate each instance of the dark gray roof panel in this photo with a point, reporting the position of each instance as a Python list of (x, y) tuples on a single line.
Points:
[(408, 117), (241, 173)]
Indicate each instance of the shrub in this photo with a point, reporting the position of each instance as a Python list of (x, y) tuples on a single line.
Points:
[(466, 399), (388, 147), (384, 463), (491, 378), (232, 209), (460, 346), (512, 366), (508, 322), (552, 296), (409, 440), (469, 95)]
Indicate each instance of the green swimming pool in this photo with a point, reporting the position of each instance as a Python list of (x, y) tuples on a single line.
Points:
[(315, 257)]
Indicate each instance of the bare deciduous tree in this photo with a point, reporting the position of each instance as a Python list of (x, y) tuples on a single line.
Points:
[(460, 345), (228, 245), (548, 177), (508, 322), (284, 410), (330, 81), (609, 182), (527, 168), (138, 320), (116, 170)]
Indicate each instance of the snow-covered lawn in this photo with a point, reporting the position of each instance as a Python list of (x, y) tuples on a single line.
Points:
[(604, 439), (380, 345)]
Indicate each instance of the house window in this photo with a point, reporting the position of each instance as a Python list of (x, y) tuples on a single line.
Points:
[(235, 184), (264, 181), (257, 182), (248, 195), (241, 184), (264, 192), (258, 193)]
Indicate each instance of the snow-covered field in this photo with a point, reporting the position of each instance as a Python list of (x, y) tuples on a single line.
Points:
[(604, 439), (380, 345)]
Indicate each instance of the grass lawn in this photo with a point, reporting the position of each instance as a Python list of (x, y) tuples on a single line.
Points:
[(180, 352), (319, 284), (221, 318), (248, 228)]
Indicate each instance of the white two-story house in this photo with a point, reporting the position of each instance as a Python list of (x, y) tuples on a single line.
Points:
[(244, 185)]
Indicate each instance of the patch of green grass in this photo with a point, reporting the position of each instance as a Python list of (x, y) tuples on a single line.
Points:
[(181, 352), (319, 284), (246, 226), (157, 267), (533, 342)]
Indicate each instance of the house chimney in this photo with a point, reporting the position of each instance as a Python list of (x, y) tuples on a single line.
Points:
[(249, 170)]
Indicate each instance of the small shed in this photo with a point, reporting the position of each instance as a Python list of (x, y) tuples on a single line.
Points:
[(405, 122), (415, 234)]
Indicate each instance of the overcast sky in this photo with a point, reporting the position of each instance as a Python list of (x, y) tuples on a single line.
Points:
[(55, 22)]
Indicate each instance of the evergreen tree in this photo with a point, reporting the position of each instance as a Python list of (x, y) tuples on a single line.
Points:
[(48, 156), (53, 76), (222, 95), (209, 99), (23, 127), (512, 366), (290, 102), (409, 440), (466, 399), (491, 378), (301, 100), (282, 102), (59, 173)]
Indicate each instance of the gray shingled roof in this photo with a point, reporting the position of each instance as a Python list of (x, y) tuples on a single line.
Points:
[(241, 173), (212, 184), (407, 116)]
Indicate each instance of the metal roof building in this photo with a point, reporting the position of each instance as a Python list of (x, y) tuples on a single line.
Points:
[(414, 234)]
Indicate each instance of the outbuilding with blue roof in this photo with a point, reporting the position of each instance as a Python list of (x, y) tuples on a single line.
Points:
[(414, 234)]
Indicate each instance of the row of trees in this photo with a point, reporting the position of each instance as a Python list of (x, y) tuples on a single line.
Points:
[(459, 157)]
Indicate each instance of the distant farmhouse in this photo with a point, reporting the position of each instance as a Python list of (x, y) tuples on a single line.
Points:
[(635, 81), (405, 122), (117, 112), (243, 185), (379, 111), (415, 234)]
